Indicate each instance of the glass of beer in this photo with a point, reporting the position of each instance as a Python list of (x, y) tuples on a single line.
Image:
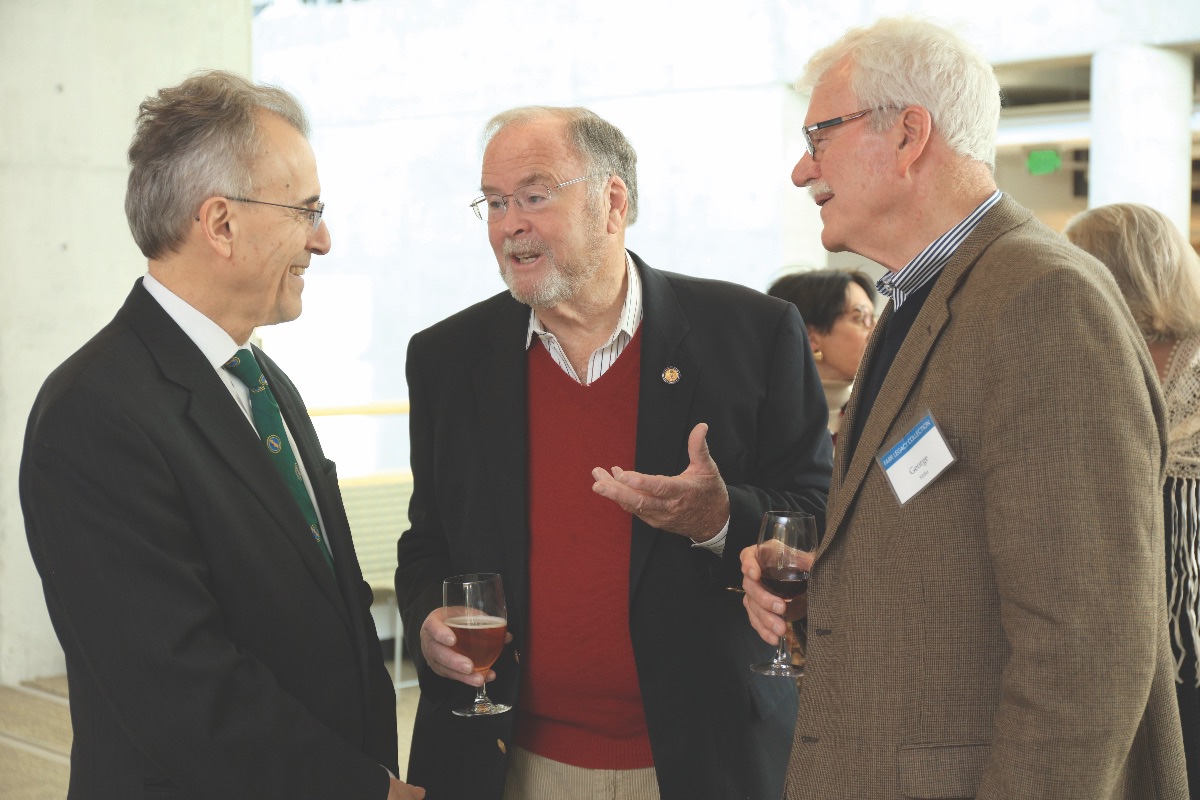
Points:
[(475, 611), (787, 547)]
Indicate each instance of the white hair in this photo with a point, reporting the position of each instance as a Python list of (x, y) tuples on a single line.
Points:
[(905, 61)]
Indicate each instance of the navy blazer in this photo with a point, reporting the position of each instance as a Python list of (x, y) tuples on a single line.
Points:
[(211, 653), (716, 730)]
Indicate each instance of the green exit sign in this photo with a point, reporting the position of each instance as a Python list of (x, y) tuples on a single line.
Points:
[(1043, 162)]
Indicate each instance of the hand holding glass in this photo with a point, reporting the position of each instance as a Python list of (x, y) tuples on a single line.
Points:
[(475, 611), (787, 546)]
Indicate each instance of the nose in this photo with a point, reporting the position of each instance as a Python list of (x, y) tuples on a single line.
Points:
[(319, 240), (514, 222), (806, 169)]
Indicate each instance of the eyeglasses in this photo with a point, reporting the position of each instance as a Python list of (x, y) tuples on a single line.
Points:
[(314, 214), (808, 130), (861, 315), (531, 199)]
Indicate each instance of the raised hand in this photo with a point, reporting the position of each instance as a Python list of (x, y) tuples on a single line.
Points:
[(694, 503)]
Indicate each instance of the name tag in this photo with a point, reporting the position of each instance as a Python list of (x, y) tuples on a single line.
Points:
[(916, 459)]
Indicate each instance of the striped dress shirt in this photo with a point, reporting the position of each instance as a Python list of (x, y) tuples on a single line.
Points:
[(929, 262)]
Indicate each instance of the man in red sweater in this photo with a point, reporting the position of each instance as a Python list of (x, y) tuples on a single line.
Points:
[(606, 437)]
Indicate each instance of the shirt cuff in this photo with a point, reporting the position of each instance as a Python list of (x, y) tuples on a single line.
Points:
[(715, 545)]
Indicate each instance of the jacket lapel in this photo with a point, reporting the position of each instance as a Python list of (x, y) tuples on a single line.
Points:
[(338, 535), (219, 420), (500, 381), (851, 469), (662, 426)]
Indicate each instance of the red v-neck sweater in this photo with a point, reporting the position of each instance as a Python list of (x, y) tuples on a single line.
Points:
[(580, 699)]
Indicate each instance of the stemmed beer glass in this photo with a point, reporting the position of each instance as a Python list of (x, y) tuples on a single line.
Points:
[(787, 546), (476, 612)]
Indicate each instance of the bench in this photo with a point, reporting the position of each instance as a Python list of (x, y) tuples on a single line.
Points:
[(377, 507)]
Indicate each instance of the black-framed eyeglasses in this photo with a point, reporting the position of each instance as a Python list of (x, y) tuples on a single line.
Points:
[(809, 130), (314, 214), (531, 199)]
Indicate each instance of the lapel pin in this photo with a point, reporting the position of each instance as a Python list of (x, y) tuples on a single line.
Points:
[(670, 375)]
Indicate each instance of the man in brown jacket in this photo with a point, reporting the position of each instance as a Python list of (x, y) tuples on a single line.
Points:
[(986, 614)]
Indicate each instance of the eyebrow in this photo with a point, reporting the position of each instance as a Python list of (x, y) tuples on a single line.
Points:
[(312, 199), (531, 178)]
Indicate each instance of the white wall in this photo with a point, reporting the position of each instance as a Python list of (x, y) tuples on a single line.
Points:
[(72, 73)]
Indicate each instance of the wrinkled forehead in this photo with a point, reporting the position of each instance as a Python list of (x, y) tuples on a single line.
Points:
[(532, 152)]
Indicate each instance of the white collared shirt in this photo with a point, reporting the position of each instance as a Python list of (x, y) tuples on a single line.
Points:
[(607, 354), (218, 347)]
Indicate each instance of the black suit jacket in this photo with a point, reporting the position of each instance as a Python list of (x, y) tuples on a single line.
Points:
[(210, 651), (716, 730)]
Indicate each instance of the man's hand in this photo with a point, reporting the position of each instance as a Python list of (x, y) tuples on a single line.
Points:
[(694, 503), (436, 640), (768, 614), (399, 790)]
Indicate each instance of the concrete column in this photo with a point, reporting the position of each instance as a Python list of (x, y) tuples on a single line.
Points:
[(72, 73), (1141, 129)]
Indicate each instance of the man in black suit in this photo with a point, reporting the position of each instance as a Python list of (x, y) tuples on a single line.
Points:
[(629, 665), (214, 618)]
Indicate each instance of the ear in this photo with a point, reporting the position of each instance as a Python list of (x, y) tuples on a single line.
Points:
[(814, 337), (618, 203), (914, 127), (217, 226)]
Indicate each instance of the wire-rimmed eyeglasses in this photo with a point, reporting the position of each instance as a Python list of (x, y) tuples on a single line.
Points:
[(531, 199), (861, 315), (314, 214), (808, 130)]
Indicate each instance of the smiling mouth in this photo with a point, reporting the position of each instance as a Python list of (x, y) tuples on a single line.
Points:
[(297, 270)]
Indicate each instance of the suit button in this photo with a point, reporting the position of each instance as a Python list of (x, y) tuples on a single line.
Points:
[(500, 744), (810, 739)]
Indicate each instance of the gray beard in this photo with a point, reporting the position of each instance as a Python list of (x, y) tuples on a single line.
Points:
[(562, 282), (557, 286)]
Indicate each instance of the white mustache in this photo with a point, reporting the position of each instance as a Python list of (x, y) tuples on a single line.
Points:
[(819, 187), (513, 249)]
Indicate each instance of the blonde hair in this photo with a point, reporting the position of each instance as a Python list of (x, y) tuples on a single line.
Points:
[(1156, 268)]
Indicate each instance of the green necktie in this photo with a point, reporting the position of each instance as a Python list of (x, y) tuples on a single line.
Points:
[(269, 424)]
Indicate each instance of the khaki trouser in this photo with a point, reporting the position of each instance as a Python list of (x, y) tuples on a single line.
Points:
[(532, 777)]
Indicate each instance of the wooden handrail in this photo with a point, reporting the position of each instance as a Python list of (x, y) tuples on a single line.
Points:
[(365, 410)]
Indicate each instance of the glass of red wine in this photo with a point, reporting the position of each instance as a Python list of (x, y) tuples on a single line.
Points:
[(787, 546), (475, 611)]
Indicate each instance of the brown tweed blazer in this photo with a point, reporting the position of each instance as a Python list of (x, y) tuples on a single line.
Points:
[(1003, 634)]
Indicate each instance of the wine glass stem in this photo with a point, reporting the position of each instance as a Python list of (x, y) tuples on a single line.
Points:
[(783, 654), (481, 698)]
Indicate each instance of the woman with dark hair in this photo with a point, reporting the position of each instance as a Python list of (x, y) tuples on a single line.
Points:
[(838, 308), (1159, 275)]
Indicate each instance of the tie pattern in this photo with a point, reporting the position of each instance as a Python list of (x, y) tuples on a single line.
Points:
[(269, 424)]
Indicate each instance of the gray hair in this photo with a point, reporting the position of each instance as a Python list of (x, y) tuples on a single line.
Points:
[(904, 61), (1155, 266), (601, 145), (195, 141)]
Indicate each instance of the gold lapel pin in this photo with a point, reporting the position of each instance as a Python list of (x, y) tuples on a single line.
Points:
[(670, 375)]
